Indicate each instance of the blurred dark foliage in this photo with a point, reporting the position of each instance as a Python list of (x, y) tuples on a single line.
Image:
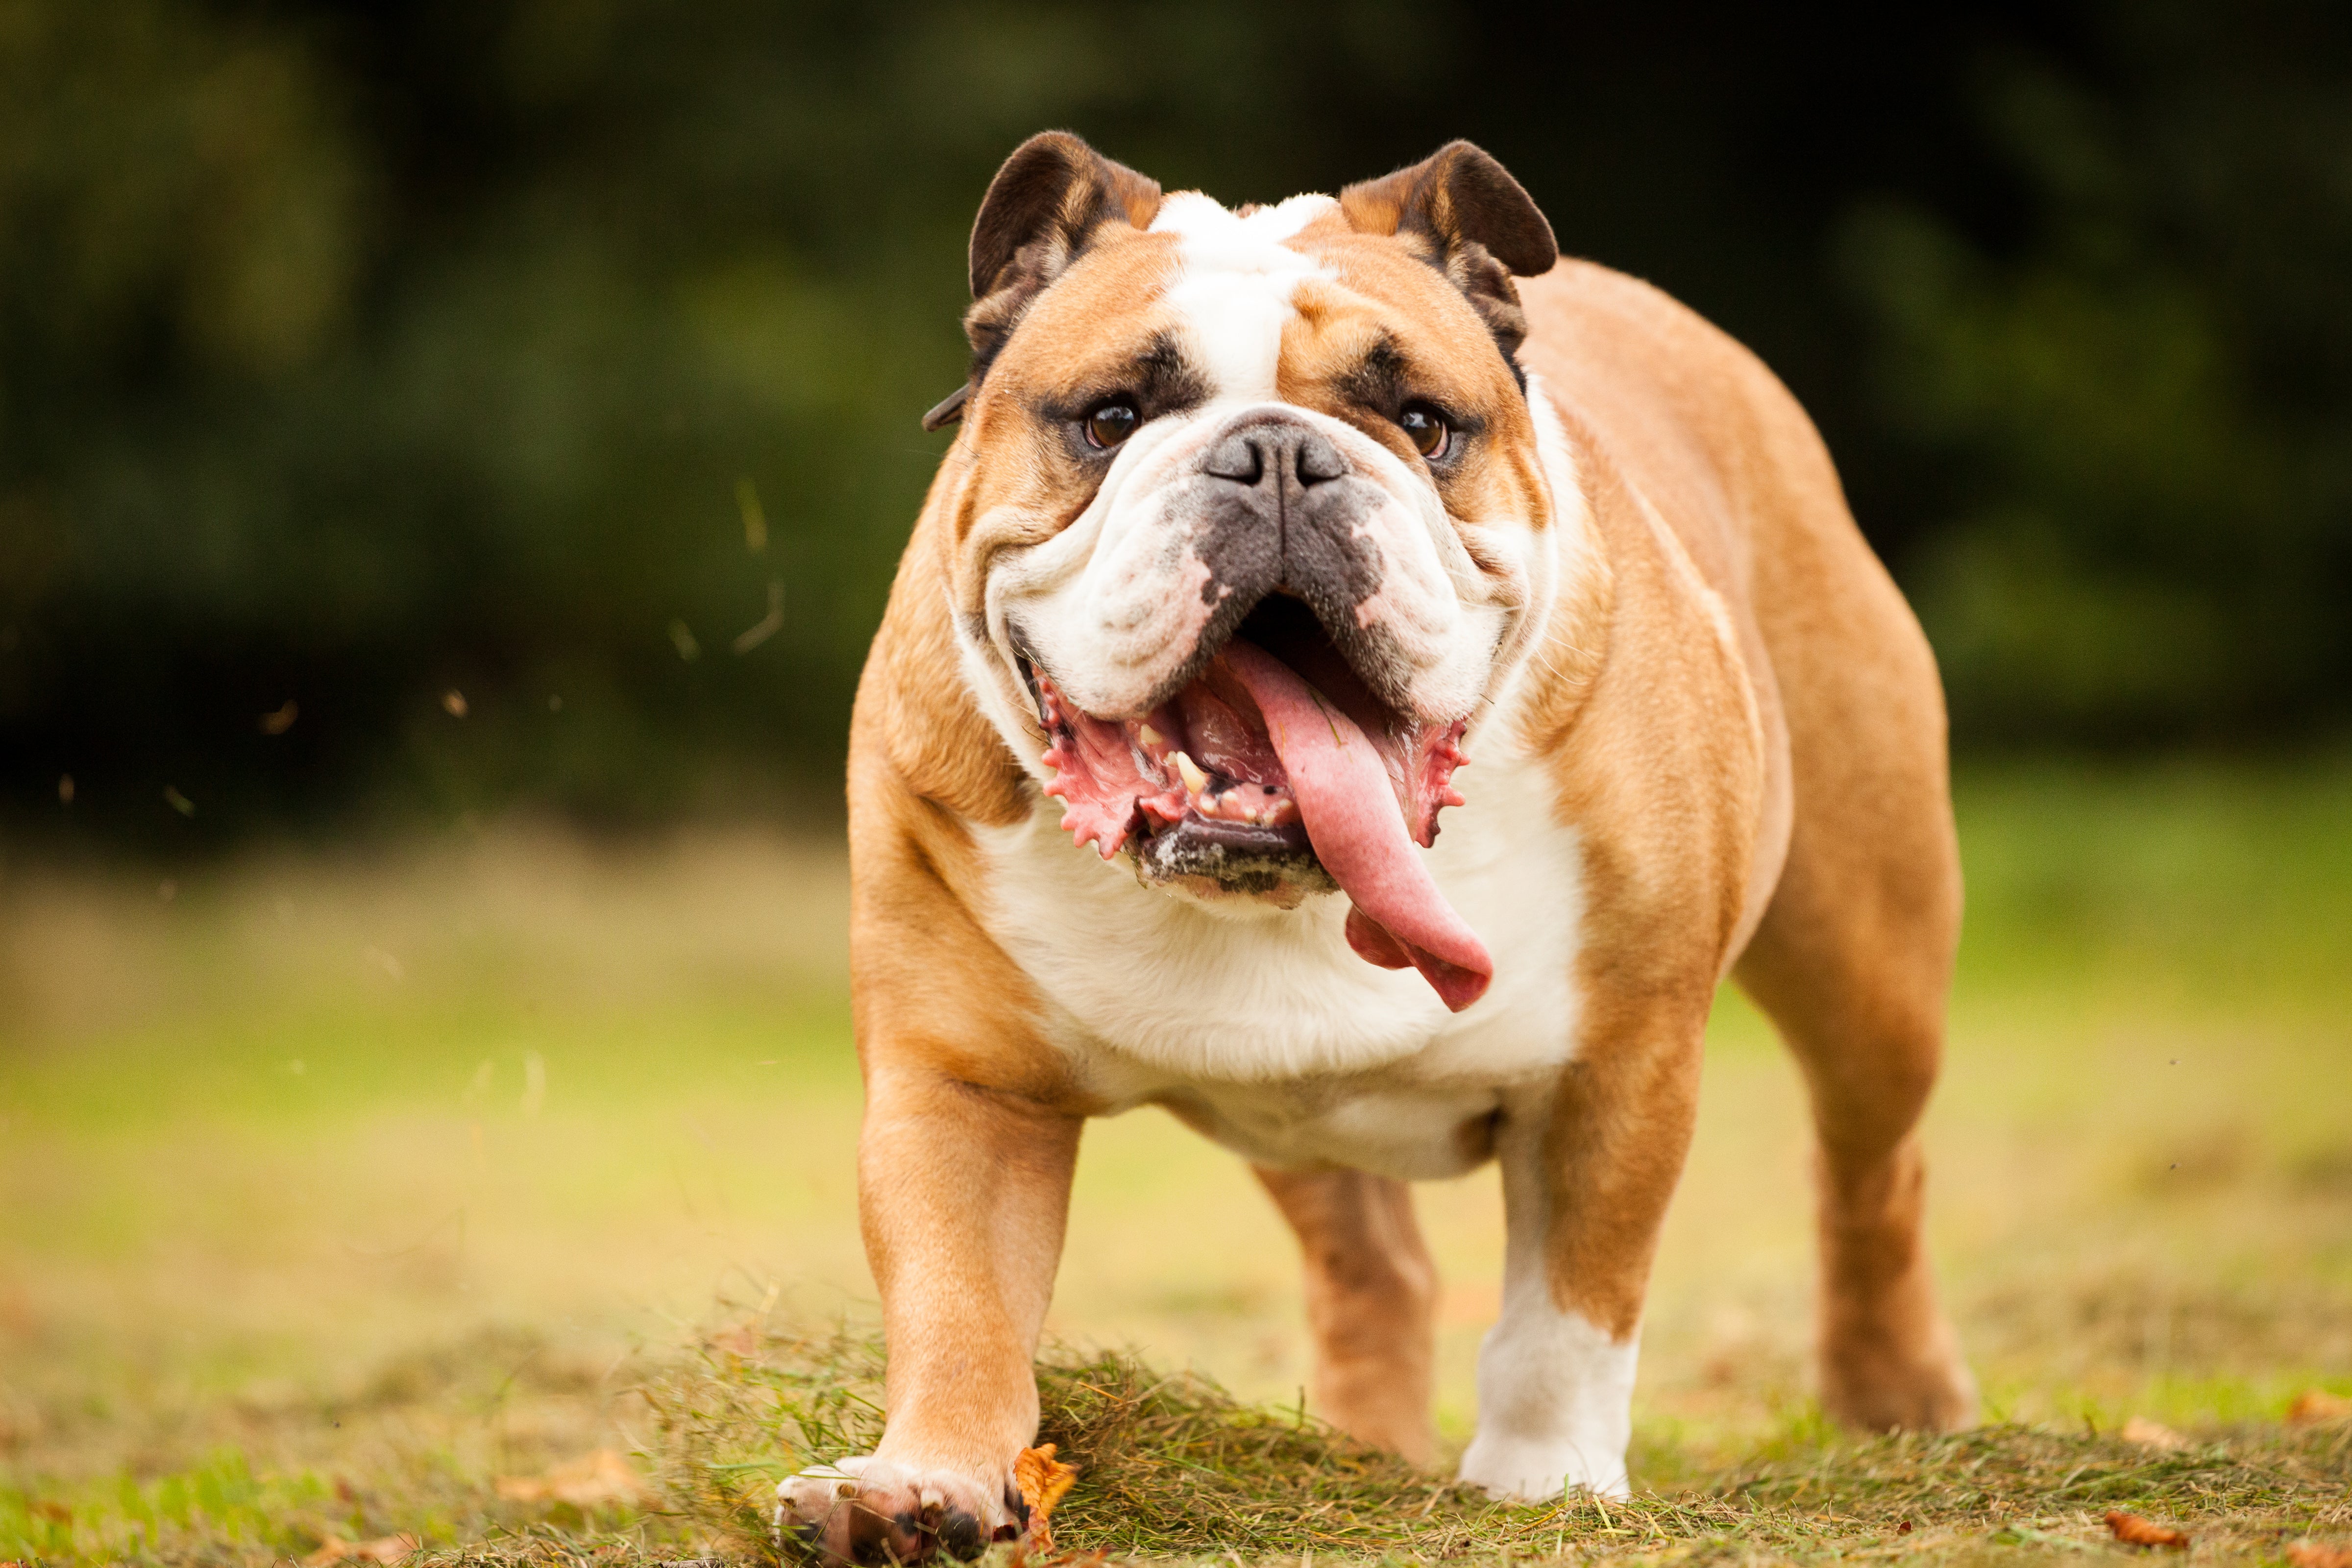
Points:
[(532, 349)]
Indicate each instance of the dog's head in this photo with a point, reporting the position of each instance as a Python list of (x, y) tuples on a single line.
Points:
[(1250, 497)]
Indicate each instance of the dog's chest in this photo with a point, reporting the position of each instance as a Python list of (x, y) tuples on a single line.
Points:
[(1266, 1030)]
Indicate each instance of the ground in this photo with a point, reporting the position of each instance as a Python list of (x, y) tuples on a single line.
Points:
[(336, 1187)]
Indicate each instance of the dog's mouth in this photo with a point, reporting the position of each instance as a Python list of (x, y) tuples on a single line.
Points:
[(1274, 772)]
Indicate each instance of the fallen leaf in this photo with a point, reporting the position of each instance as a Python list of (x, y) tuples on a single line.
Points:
[(382, 1549), (2133, 1530), (2312, 1554), (452, 702), (2314, 1406), (601, 1480), (2150, 1434), (1044, 1481), (741, 1341)]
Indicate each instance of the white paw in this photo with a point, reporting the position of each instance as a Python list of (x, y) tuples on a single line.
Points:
[(870, 1510), (1554, 1402), (1517, 1470)]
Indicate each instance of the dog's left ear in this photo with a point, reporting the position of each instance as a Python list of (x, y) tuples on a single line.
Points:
[(1042, 211), (1467, 217)]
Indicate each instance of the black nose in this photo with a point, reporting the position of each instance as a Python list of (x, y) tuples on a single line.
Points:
[(1277, 455)]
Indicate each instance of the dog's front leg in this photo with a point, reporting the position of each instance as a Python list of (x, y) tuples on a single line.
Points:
[(962, 1193), (1588, 1168)]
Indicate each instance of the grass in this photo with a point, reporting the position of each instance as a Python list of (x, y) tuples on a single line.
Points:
[(333, 1189), (1173, 1467)]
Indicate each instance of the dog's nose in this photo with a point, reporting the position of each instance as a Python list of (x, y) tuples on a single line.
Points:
[(1275, 454)]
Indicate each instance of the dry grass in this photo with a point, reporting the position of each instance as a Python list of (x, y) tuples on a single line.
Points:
[(1172, 1467)]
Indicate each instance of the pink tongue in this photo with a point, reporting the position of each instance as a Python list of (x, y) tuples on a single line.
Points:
[(1351, 813)]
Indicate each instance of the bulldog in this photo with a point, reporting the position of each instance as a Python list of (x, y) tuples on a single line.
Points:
[(1361, 682)]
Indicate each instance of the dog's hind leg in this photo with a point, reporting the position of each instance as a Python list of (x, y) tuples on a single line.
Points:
[(1854, 961), (1866, 1026), (1372, 1300)]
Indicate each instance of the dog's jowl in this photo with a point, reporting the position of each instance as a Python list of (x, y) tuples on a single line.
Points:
[(1361, 681)]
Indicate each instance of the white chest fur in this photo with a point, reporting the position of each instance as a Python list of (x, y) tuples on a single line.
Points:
[(1264, 1028)]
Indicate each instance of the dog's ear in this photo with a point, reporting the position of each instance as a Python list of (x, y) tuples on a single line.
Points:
[(1042, 211), (1468, 218), (1045, 204)]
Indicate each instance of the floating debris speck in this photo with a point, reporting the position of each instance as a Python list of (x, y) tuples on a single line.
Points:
[(770, 624), (755, 517)]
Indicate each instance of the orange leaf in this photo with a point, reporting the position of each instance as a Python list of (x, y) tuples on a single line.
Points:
[(383, 1549), (2312, 1554), (2314, 1406), (1044, 1481), (2155, 1435), (603, 1479), (2133, 1530)]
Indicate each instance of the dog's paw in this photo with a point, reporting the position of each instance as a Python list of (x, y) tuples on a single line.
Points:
[(869, 1510), (1930, 1391), (1529, 1471)]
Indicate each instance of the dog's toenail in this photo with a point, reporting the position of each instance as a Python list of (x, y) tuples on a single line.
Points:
[(961, 1535)]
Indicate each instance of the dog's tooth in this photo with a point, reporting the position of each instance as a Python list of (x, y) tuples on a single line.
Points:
[(1150, 737), (1195, 780)]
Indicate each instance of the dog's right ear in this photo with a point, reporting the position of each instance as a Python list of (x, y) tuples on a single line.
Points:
[(1045, 204), (1042, 211)]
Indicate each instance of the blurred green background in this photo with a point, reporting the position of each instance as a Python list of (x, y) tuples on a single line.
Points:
[(532, 349)]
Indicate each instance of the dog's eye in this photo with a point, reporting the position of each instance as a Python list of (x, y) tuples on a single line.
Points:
[(1426, 429), (1112, 423)]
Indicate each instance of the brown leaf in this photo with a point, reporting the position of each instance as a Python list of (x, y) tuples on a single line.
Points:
[(603, 1479), (1044, 1481), (382, 1549), (741, 1341), (2150, 1434), (2314, 1406), (2312, 1554), (2133, 1530)]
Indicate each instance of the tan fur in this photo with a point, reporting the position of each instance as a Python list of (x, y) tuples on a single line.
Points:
[(1371, 1303), (1744, 723), (1859, 905)]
